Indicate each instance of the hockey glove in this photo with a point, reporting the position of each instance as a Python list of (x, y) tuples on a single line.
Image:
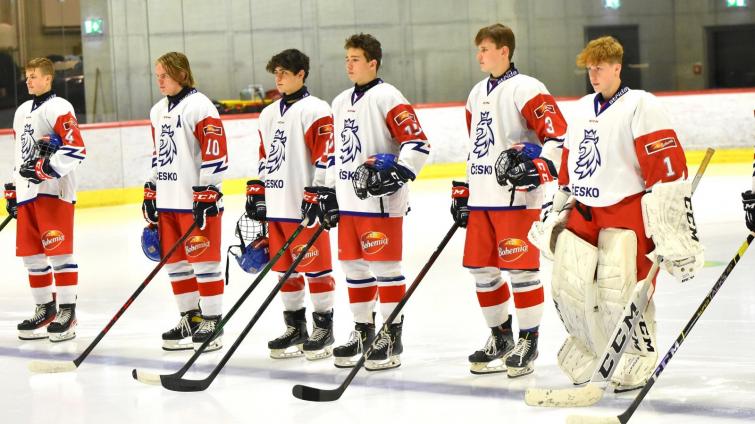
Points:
[(149, 204), (388, 181), (532, 173), (37, 170), (206, 199), (309, 206), (10, 200), (459, 199), (255, 200), (328, 210), (748, 201)]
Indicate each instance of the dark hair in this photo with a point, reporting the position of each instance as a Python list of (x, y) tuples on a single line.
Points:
[(500, 35), (291, 60), (369, 45)]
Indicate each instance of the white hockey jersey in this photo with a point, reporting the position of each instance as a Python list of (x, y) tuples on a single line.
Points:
[(189, 148), (294, 139), (501, 112), (619, 147), (38, 117), (370, 120)]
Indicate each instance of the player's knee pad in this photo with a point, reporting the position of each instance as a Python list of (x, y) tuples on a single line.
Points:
[(485, 276), (36, 263), (60, 262), (207, 271), (357, 269), (180, 270), (385, 268)]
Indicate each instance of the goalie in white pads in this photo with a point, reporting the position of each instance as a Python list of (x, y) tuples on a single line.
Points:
[(625, 170)]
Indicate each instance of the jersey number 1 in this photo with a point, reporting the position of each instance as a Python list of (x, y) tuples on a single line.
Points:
[(669, 170)]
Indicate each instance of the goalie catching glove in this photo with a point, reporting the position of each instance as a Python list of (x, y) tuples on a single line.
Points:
[(670, 222)]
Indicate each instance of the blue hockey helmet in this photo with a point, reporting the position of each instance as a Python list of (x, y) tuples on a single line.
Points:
[(151, 243), (254, 252)]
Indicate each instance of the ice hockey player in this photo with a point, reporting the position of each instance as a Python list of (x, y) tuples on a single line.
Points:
[(188, 162), (748, 201), (295, 132), (625, 170), (379, 146), (516, 134), (41, 196)]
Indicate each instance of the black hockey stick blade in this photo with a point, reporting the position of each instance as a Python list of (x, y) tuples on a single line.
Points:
[(176, 381), (38, 366), (314, 394), (183, 385)]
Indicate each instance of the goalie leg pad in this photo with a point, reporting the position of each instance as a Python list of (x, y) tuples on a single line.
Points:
[(616, 276), (576, 360), (573, 290), (639, 360)]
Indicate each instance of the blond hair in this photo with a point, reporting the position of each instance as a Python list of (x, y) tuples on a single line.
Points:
[(603, 49), (499, 34), (43, 64), (177, 66)]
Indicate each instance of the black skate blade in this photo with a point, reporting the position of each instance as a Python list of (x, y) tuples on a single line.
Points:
[(313, 394), (178, 384)]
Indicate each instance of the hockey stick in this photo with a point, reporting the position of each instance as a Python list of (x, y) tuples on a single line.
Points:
[(617, 342), (5, 222), (624, 417), (65, 366), (153, 378), (176, 382), (314, 394)]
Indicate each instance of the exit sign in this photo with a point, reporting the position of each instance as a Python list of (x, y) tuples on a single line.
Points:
[(93, 26), (736, 3)]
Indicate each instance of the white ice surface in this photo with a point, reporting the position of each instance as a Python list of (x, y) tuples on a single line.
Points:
[(711, 378)]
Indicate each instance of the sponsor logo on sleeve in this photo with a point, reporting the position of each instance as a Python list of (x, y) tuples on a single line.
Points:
[(402, 117), (309, 257), (51, 239), (325, 129), (210, 129), (373, 242), (196, 245), (511, 249), (658, 145), (544, 108)]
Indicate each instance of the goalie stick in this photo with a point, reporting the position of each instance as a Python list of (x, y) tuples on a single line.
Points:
[(39, 366), (624, 417), (152, 378), (314, 394), (176, 382), (591, 393)]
